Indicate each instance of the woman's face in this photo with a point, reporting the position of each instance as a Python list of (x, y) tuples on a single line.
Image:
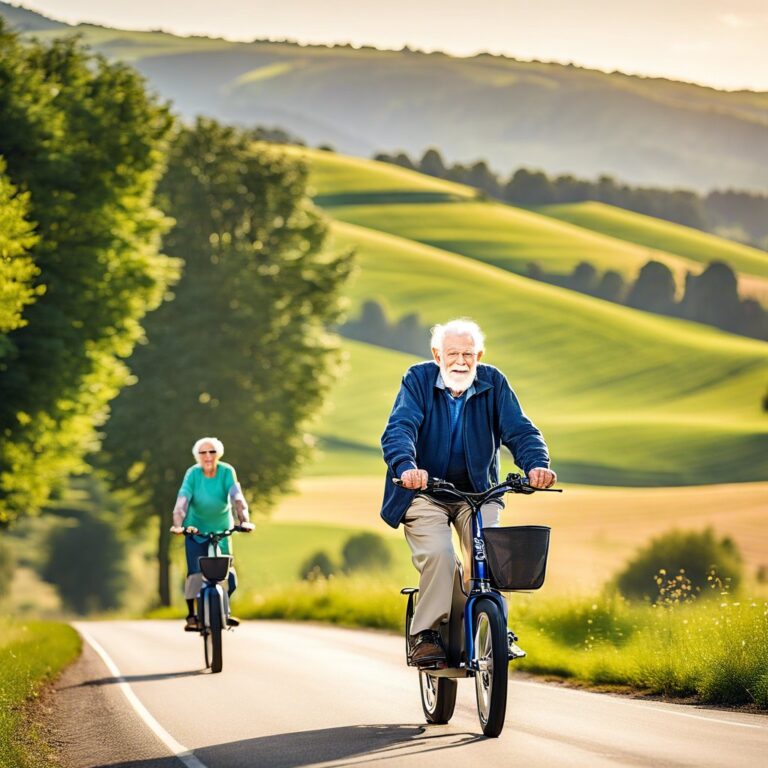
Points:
[(207, 457)]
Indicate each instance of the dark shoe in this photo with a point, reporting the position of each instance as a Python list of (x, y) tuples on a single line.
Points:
[(427, 650), (515, 651), (192, 625), (232, 621)]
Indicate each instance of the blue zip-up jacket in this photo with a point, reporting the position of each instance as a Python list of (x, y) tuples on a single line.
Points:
[(418, 433)]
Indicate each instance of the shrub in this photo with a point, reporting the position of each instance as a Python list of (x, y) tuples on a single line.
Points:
[(317, 565), (365, 550), (680, 564)]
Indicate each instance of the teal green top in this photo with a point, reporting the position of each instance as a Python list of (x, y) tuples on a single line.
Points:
[(210, 508)]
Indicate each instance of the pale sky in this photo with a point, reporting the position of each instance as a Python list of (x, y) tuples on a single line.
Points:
[(722, 43)]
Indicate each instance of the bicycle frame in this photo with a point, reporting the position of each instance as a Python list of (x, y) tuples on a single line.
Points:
[(480, 583)]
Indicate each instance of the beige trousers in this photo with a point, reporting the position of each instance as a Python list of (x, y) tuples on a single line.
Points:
[(427, 526)]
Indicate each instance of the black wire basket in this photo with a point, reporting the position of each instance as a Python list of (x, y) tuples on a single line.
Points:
[(215, 568), (517, 556)]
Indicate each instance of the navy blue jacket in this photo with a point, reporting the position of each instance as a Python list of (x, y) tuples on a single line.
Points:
[(418, 433)]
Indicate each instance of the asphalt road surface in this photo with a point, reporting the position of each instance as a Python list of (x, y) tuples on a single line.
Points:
[(295, 695)]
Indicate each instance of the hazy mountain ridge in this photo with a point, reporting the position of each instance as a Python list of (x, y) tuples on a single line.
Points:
[(551, 116)]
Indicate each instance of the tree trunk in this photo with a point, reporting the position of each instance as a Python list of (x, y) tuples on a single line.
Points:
[(164, 563)]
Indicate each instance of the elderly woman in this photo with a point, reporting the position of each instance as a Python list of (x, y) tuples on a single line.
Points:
[(206, 497)]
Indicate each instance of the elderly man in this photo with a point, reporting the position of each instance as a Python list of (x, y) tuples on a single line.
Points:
[(449, 420)]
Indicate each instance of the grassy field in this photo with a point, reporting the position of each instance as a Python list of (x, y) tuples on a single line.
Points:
[(594, 530), (31, 653), (624, 397)]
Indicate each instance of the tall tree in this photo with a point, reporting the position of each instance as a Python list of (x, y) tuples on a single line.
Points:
[(654, 289), (85, 141), (242, 352), (17, 270)]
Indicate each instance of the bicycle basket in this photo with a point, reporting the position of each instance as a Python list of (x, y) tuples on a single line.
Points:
[(517, 556), (215, 568)]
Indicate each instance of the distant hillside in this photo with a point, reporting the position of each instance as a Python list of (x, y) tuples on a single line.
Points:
[(29, 21), (558, 118)]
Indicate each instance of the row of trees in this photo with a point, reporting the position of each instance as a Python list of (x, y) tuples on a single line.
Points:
[(108, 209), (711, 297), (738, 215)]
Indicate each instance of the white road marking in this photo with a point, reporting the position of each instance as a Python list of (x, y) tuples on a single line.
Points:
[(179, 750), (651, 707)]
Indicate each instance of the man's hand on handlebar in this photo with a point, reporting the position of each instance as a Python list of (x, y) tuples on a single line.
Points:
[(415, 479), (541, 478)]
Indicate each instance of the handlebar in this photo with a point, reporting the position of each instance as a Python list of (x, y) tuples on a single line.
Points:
[(216, 535), (514, 483)]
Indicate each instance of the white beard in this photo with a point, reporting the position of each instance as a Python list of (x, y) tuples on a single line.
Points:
[(458, 381)]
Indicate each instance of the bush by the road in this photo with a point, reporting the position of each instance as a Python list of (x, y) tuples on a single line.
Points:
[(30, 653), (365, 550), (680, 565)]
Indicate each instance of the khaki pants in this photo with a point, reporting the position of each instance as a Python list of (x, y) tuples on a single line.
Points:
[(427, 526)]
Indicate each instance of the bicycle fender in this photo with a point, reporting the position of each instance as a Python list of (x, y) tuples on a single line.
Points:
[(469, 621)]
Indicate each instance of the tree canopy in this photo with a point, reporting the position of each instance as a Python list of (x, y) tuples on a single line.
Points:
[(85, 144)]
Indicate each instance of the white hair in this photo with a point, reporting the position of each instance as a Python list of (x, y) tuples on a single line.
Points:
[(462, 326), (214, 441)]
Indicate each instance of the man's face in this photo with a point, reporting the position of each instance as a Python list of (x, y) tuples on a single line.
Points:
[(458, 361)]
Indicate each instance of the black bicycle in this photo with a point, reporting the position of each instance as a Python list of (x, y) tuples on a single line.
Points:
[(477, 641), (213, 600)]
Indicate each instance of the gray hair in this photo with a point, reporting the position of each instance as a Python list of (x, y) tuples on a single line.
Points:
[(214, 441), (462, 326)]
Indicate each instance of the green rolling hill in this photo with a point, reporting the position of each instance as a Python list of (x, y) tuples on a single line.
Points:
[(662, 235), (509, 112), (452, 217), (623, 396)]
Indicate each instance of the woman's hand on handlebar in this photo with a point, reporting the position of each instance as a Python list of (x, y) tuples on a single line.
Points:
[(178, 530), (245, 527), (415, 479), (541, 478)]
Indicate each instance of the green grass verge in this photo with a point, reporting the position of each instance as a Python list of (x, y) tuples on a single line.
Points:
[(31, 653), (713, 650)]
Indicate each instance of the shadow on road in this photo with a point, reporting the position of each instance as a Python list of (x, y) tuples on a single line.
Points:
[(348, 746), (137, 678)]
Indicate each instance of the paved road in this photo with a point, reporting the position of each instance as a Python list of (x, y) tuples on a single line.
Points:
[(297, 695)]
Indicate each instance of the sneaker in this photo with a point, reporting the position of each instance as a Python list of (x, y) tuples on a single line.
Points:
[(515, 651), (192, 625), (427, 649), (232, 621)]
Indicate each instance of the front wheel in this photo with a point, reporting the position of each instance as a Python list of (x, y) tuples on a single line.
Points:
[(216, 652), (438, 697), (490, 634)]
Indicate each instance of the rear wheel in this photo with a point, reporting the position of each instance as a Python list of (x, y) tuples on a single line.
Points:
[(490, 634), (438, 697)]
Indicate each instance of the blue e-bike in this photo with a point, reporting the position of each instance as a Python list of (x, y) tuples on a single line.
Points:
[(213, 600), (477, 641)]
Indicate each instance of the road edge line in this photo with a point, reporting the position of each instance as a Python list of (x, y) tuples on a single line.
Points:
[(179, 750)]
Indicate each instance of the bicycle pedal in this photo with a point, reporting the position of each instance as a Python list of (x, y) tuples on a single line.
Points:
[(516, 652)]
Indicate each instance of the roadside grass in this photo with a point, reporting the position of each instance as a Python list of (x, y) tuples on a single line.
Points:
[(713, 650), (31, 653)]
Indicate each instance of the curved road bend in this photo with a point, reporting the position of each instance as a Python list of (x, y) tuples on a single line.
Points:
[(297, 695)]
